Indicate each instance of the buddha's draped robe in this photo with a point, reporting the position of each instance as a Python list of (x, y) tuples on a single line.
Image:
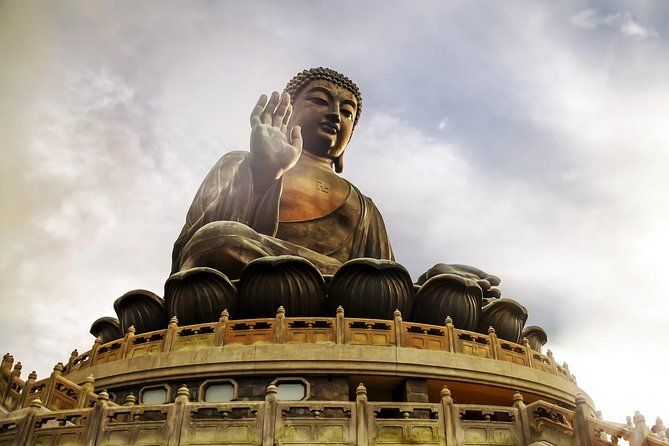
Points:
[(227, 195)]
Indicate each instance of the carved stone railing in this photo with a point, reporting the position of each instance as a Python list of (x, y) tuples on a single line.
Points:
[(55, 392), (360, 422), (336, 330)]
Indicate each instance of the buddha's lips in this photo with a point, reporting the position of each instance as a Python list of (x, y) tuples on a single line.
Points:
[(330, 128)]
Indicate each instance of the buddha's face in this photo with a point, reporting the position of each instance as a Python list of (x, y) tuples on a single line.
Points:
[(326, 112)]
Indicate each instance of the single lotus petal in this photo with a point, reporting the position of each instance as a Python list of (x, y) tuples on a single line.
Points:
[(506, 316), (289, 281), (199, 295), (107, 329), (371, 288), (140, 308), (449, 295), (536, 336)]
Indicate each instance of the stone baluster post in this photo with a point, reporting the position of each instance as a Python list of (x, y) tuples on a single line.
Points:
[(130, 400), (5, 374), (73, 356), (450, 416), (219, 331), (553, 365), (23, 402), (280, 326), (170, 334), (523, 417), (582, 427), (450, 330), (16, 372), (528, 352), (177, 415), (565, 366), (494, 342), (95, 418), (51, 385), (94, 350), (126, 348), (640, 431), (362, 416), (7, 362), (269, 415), (27, 424), (87, 387), (659, 429), (340, 326), (397, 325)]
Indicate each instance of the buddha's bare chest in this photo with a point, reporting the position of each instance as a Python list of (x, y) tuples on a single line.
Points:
[(309, 195)]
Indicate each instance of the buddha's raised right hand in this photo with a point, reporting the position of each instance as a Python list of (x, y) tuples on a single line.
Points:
[(274, 148)]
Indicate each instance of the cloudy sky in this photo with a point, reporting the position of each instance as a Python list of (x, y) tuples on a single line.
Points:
[(526, 138)]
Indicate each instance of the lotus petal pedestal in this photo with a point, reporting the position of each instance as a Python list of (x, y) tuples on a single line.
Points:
[(371, 288), (506, 316), (536, 336), (449, 295), (199, 295), (107, 329), (289, 281), (142, 309)]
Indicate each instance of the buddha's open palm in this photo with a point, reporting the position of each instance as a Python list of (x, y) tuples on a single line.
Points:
[(274, 148)]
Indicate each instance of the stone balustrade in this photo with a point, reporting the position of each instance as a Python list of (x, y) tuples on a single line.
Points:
[(336, 330), (359, 422), (55, 392)]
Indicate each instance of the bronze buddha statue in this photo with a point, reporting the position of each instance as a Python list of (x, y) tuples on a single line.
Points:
[(276, 226), (283, 197)]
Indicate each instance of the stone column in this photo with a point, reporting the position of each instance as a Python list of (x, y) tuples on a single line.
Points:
[(361, 415), (87, 387), (523, 418), (269, 415), (341, 330), (450, 416), (219, 331), (170, 334), (397, 325), (95, 419), (581, 425), (640, 431)]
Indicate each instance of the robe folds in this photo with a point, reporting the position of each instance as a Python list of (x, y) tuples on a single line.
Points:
[(227, 194)]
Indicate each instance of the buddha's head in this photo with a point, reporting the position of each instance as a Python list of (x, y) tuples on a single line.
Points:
[(326, 105)]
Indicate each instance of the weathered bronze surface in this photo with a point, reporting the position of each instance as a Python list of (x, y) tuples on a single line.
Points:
[(371, 288), (536, 336), (283, 197), (449, 295), (141, 309), (506, 316), (107, 329), (199, 295), (271, 226), (270, 282)]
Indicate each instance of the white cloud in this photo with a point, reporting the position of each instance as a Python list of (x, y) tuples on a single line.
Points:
[(591, 19), (444, 124)]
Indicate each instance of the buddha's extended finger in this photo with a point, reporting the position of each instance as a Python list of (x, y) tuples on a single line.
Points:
[(266, 115), (277, 117), (286, 119), (296, 137), (257, 109)]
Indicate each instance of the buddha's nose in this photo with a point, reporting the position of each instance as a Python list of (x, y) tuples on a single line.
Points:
[(333, 116)]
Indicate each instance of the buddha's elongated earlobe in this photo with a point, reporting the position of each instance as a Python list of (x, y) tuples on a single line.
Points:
[(339, 163)]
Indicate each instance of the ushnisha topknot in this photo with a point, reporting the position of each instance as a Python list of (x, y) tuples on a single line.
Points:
[(297, 83)]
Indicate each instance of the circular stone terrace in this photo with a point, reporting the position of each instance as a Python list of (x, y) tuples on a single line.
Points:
[(483, 367)]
